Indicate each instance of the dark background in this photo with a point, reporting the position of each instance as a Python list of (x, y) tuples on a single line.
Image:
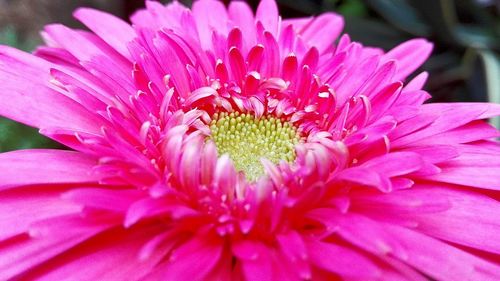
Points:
[(465, 64)]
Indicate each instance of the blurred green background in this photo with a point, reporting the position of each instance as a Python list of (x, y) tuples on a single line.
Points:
[(465, 64)]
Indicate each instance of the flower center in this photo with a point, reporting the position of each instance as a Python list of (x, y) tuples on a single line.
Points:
[(247, 139)]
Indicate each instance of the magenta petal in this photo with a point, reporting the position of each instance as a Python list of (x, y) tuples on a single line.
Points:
[(482, 177), (471, 219), (23, 253), (109, 256), (323, 30), (197, 257), (267, 14), (409, 56), (343, 261), (21, 207), (24, 167), (395, 164), (28, 97), (440, 260), (106, 25)]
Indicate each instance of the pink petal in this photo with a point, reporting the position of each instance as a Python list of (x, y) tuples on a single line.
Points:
[(210, 16), (341, 260), (111, 255), (22, 252), (22, 206), (267, 14), (482, 177), (28, 97), (105, 199), (242, 16), (197, 257), (409, 56), (322, 31), (433, 257), (106, 25), (450, 116), (471, 219), (440, 260), (23, 167)]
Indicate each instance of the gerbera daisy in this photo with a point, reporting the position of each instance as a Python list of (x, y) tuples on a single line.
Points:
[(215, 144)]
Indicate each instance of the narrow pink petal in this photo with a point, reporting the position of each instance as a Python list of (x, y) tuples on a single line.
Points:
[(409, 56), (395, 164), (470, 220), (106, 26), (474, 131), (242, 16), (210, 16), (85, 46), (322, 31), (44, 166), (106, 199), (416, 83), (435, 154), (481, 177), (28, 97), (450, 116), (267, 14)]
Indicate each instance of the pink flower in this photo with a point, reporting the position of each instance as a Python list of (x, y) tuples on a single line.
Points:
[(212, 144)]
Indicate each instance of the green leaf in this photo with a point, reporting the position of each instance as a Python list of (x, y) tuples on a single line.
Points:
[(373, 33), (491, 63), (476, 37), (402, 15), (353, 8), (484, 73), (14, 136)]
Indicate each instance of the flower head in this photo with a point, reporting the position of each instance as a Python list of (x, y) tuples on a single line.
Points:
[(222, 145)]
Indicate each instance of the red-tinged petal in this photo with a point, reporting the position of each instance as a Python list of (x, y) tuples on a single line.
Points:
[(106, 25), (197, 257), (44, 166), (294, 248), (341, 260), (242, 16), (255, 259), (111, 255)]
